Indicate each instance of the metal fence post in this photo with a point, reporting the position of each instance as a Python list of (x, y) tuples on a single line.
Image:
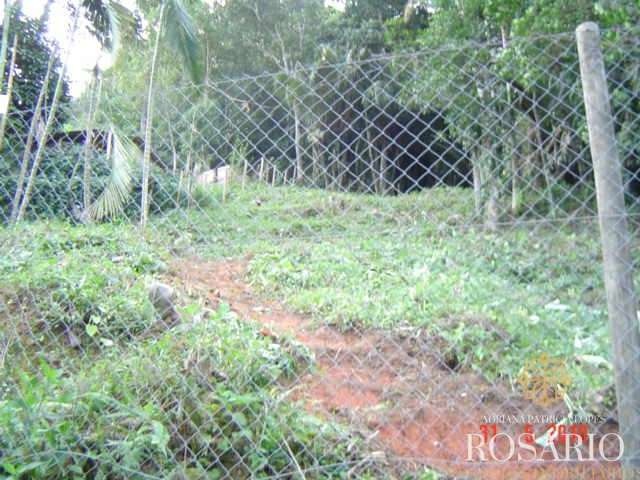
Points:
[(618, 275)]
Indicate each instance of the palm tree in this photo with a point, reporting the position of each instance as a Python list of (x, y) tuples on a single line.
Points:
[(176, 28), (124, 154), (94, 102)]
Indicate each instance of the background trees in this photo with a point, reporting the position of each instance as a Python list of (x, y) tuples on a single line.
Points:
[(325, 97)]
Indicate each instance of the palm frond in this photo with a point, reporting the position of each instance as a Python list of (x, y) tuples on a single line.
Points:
[(180, 32), (106, 19), (125, 156)]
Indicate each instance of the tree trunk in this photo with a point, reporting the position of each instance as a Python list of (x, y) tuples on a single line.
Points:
[(146, 158), (41, 146), (5, 117), (515, 192), (360, 170), (477, 184), (371, 182), (188, 167), (330, 168), (343, 166), (315, 151), (5, 39), (88, 140), (26, 155), (174, 152), (510, 124), (492, 208), (543, 163), (549, 183), (382, 177), (489, 178)]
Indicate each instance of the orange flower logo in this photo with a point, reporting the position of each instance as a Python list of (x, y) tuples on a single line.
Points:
[(544, 380)]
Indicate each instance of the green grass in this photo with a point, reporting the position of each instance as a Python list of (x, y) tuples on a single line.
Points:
[(161, 411), (496, 299), (422, 261), (111, 404), (200, 400), (88, 283), (259, 216)]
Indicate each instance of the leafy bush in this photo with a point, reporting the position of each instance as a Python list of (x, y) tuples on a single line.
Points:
[(58, 185)]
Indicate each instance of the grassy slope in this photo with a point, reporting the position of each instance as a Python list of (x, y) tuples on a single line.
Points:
[(197, 401), (352, 260), (418, 260)]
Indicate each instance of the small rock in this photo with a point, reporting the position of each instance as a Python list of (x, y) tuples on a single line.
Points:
[(162, 298), (74, 341)]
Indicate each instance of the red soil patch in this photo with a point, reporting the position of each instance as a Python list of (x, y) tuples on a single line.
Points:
[(396, 390)]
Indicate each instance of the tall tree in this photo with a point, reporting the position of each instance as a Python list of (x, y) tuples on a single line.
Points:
[(95, 90), (31, 65), (277, 36), (9, 91), (174, 26), (48, 125), (35, 64), (5, 38)]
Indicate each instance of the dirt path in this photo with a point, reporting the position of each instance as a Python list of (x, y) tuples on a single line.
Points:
[(395, 389)]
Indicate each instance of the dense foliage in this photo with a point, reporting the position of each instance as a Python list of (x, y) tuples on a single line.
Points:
[(489, 70), (59, 186), (511, 116)]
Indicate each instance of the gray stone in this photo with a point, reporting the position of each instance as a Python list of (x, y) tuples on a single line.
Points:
[(163, 297)]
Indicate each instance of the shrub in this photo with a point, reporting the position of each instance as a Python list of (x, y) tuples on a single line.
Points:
[(58, 186)]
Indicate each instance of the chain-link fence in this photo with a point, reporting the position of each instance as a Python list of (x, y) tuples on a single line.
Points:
[(387, 268)]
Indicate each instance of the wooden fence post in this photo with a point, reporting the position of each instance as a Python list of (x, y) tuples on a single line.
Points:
[(244, 173), (261, 169), (618, 272), (225, 186)]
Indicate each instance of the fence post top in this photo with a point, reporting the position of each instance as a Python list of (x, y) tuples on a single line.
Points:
[(588, 27)]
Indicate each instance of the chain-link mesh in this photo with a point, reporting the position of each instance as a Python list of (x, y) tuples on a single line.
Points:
[(376, 269)]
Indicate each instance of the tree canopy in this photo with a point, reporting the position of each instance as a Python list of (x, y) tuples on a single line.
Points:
[(303, 84), (33, 53)]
